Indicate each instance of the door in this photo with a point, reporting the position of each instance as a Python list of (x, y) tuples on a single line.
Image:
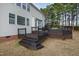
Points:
[(38, 23)]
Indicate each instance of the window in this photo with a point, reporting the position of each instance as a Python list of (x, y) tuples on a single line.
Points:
[(11, 18), (20, 20), (24, 5), (36, 23), (28, 7), (27, 21), (40, 23), (18, 4)]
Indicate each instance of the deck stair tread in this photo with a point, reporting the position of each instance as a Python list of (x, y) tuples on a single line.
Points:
[(30, 43)]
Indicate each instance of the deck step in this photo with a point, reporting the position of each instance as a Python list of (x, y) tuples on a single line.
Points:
[(40, 46), (30, 43)]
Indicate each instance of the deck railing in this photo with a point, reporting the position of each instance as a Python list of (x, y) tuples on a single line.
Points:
[(21, 32)]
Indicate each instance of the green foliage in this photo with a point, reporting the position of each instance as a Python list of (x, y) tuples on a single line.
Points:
[(53, 11)]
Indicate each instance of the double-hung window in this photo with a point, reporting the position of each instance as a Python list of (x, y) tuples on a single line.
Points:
[(18, 4), (28, 22), (28, 7), (20, 20), (11, 18), (24, 6)]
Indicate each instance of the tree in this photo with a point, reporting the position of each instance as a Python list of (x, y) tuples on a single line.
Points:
[(53, 11), (44, 11)]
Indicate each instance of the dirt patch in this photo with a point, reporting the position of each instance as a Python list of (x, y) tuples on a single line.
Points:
[(52, 47)]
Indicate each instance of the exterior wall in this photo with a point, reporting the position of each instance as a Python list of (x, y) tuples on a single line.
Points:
[(7, 29), (36, 14)]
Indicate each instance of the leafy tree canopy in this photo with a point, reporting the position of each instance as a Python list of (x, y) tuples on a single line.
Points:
[(53, 11)]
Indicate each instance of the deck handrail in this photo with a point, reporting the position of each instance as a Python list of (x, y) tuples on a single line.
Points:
[(19, 34)]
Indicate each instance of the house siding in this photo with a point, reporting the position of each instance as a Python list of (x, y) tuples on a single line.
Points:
[(7, 29), (35, 14)]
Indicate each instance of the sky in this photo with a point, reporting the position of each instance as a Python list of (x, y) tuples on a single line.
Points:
[(41, 5)]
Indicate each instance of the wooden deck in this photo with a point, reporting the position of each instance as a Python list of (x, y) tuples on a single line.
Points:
[(53, 33), (63, 33), (58, 33), (34, 40)]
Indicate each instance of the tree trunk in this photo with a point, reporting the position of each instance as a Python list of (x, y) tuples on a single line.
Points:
[(76, 19), (69, 20), (72, 21), (76, 14), (65, 18)]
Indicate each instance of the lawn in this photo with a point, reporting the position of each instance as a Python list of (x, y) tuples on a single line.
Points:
[(53, 47)]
